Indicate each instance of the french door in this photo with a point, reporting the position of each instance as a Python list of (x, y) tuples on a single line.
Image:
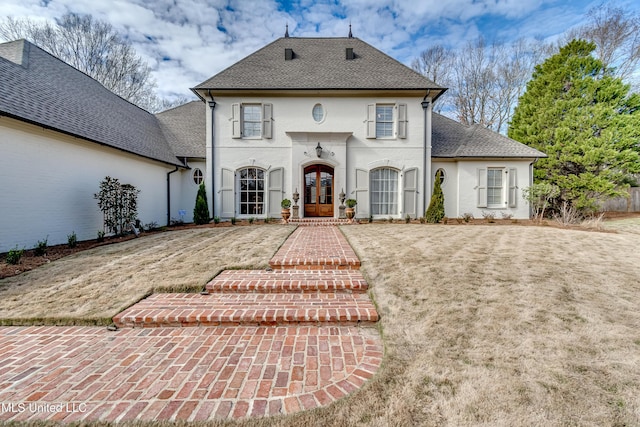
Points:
[(318, 191)]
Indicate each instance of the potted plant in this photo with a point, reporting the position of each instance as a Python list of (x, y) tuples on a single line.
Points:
[(286, 213), (350, 211)]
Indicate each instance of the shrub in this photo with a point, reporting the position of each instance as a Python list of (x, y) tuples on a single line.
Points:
[(216, 220), (251, 219), (118, 203), (233, 220), (466, 217), (201, 210), (101, 234), (370, 219), (506, 215), (407, 219), (285, 203), (14, 256), (72, 240), (267, 220), (489, 216), (435, 211), (41, 247), (150, 226)]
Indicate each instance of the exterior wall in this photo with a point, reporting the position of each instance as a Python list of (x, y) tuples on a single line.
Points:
[(184, 191), (342, 134), (49, 179), (449, 187), (467, 180)]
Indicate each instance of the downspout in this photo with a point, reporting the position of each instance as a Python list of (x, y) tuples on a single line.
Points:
[(169, 194), (426, 165), (531, 183), (212, 105)]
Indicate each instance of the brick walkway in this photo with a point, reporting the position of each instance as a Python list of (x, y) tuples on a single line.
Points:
[(316, 350)]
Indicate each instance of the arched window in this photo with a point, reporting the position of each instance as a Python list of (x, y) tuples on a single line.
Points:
[(251, 185), (384, 191)]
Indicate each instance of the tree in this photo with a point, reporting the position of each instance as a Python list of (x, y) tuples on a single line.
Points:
[(616, 33), (484, 80), (118, 203), (201, 210), (587, 123), (93, 47), (435, 211)]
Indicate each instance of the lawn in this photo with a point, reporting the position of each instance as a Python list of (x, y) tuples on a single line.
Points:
[(482, 324)]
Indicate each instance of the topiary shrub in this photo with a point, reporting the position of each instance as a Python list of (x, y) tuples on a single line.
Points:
[(201, 210), (435, 211)]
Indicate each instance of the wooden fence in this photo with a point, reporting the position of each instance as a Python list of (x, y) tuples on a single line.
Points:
[(623, 204)]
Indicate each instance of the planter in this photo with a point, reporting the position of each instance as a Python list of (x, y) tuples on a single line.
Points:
[(350, 213), (286, 214)]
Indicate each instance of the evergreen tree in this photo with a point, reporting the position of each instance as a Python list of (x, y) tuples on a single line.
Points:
[(586, 122), (435, 211), (201, 211)]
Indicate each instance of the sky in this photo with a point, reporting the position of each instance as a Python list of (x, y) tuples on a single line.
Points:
[(187, 41)]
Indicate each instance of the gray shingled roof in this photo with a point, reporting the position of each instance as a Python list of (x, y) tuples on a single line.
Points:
[(450, 139), (318, 63), (184, 128), (39, 88)]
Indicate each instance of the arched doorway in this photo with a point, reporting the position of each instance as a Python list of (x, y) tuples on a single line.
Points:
[(318, 191)]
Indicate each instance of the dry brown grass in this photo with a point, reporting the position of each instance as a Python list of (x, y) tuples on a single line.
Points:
[(496, 326), (92, 286)]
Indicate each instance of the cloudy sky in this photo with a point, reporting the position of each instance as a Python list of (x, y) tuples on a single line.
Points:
[(187, 41)]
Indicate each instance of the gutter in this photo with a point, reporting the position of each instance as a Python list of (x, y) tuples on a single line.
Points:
[(169, 194), (212, 105)]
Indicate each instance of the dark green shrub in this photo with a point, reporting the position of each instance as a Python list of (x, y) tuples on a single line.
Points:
[(41, 247), (101, 234), (14, 256), (72, 240), (435, 211), (233, 220), (201, 210), (216, 220)]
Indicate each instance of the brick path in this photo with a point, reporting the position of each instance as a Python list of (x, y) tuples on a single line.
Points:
[(308, 355)]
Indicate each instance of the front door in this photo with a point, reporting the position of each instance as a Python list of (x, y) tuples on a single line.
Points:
[(318, 191)]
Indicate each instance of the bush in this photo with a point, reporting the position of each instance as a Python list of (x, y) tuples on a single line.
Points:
[(201, 210), (407, 219), (41, 247), (251, 219), (489, 216), (118, 203), (233, 220), (216, 220), (14, 256), (101, 234), (435, 211), (72, 240)]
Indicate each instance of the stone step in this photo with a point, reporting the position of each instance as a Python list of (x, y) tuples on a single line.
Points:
[(224, 309), (287, 281)]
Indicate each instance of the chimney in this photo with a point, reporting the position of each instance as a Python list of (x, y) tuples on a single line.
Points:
[(350, 54), (288, 54)]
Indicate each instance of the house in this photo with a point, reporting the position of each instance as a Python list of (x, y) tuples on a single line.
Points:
[(320, 117), (314, 116)]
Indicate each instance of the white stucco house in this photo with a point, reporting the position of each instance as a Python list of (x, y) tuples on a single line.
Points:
[(316, 116)]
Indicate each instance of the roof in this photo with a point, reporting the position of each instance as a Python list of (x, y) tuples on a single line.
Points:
[(184, 127), (450, 139), (41, 89), (320, 64)]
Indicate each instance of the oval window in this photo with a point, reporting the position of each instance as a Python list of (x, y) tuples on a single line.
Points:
[(198, 176), (318, 113), (442, 175)]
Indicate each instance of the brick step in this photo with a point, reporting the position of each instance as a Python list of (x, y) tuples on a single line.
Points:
[(315, 248), (320, 221), (249, 309), (285, 281)]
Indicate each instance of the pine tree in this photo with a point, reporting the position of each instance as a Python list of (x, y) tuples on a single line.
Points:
[(201, 210), (586, 122), (435, 211)]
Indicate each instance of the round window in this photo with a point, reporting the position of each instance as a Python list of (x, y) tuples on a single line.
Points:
[(198, 176), (318, 113), (442, 175)]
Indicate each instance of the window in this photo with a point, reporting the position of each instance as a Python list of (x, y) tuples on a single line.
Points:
[(318, 113), (497, 187), (386, 121), (442, 175), (251, 121), (384, 191), (494, 188), (251, 191), (198, 176)]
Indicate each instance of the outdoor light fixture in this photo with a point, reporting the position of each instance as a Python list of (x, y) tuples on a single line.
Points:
[(319, 150)]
